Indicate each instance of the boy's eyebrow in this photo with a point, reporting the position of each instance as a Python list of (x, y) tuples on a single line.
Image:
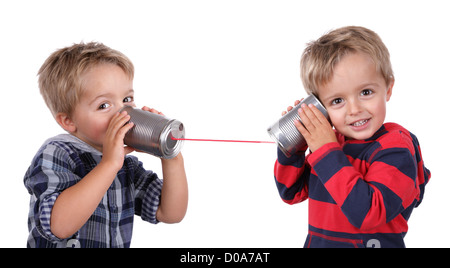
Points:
[(98, 97), (129, 92), (364, 85)]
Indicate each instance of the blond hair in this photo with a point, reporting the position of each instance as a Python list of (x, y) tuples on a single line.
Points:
[(320, 56), (60, 77)]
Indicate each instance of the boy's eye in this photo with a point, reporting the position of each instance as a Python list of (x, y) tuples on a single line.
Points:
[(366, 92), (336, 101), (103, 106), (128, 99)]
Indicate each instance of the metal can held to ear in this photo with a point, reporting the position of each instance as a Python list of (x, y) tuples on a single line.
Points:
[(154, 133), (286, 134)]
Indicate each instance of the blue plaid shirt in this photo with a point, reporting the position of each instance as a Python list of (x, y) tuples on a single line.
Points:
[(62, 162)]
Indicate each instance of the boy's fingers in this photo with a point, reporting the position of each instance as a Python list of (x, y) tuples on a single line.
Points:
[(306, 116), (112, 123), (145, 108), (319, 115), (119, 121), (289, 108), (124, 129), (301, 128), (152, 110), (314, 115), (123, 125)]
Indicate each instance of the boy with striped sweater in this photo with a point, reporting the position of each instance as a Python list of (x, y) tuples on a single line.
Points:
[(364, 178)]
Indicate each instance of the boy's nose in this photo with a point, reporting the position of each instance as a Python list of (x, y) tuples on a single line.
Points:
[(354, 107), (120, 108)]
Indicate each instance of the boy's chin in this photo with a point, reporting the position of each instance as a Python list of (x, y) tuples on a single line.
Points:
[(358, 135)]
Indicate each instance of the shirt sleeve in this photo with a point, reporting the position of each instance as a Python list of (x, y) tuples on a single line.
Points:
[(49, 175), (147, 193), (291, 177), (373, 196)]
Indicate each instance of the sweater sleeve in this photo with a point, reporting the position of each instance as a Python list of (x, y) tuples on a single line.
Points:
[(291, 177), (386, 188)]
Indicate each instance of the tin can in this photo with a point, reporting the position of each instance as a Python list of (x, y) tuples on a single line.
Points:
[(154, 133), (286, 134)]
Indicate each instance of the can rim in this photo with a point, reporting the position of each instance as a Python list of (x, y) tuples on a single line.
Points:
[(279, 144), (166, 152)]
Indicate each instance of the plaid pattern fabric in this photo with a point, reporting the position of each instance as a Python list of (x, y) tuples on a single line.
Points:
[(62, 162)]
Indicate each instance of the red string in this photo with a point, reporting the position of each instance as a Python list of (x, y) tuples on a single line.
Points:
[(178, 139)]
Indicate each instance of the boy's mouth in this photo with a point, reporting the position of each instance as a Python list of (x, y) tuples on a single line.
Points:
[(359, 123)]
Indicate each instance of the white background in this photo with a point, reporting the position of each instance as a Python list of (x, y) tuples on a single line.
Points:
[(226, 69)]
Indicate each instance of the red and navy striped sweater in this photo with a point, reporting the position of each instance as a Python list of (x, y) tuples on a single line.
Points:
[(361, 192)]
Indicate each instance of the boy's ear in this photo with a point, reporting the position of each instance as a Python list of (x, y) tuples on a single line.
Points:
[(65, 122), (389, 89)]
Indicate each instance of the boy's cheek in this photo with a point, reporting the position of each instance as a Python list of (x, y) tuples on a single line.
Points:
[(335, 118), (98, 130)]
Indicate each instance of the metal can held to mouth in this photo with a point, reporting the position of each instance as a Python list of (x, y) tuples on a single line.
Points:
[(286, 134), (154, 133)]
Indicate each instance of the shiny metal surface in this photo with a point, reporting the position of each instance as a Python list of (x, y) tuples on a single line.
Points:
[(285, 133), (153, 133)]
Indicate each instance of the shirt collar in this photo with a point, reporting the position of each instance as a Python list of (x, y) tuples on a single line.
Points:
[(83, 146)]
